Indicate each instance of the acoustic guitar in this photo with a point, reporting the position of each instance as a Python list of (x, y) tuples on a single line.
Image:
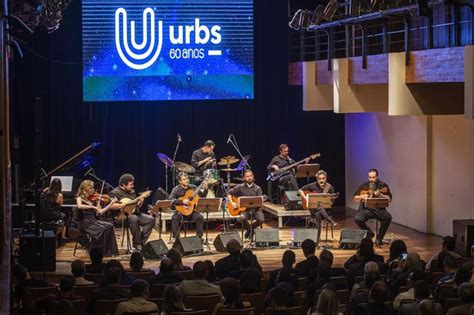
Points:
[(193, 197), (235, 211), (306, 192), (273, 176), (127, 201), (371, 193)]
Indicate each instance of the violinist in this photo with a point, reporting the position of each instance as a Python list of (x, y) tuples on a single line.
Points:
[(102, 233), (126, 190), (370, 189)]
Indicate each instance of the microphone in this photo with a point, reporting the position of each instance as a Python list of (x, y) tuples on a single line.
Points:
[(179, 138), (228, 139)]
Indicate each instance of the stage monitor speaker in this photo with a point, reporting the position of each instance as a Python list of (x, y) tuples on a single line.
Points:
[(159, 194), (188, 245), (220, 243), (31, 251), (292, 200), (463, 231), (351, 238), (303, 234), (154, 249), (267, 238)]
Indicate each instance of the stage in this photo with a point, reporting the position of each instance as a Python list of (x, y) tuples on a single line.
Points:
[(424, 244)]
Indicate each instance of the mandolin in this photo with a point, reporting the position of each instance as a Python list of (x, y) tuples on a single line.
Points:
[(128, 201), (273, 176), (236, 211), (193, 197), (306, 192), (371, 193)]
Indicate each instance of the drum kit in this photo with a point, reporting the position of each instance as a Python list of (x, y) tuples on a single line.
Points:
[(215, 174)]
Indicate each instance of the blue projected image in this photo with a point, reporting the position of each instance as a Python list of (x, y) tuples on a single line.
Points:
[(137, 50)]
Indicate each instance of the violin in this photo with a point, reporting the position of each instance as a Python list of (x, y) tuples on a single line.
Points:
[(95, 197)]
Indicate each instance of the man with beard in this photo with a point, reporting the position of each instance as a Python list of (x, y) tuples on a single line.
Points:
[(288, 179)]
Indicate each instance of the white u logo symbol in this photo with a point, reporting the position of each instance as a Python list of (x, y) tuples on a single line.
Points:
[(142, 55)]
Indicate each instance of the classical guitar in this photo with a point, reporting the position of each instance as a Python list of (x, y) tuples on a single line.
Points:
[(235, 211), (127, 201), (273, 176), (193, 197), (306, 192)]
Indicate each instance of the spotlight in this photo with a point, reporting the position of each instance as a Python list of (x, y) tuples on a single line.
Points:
[(300, 20)]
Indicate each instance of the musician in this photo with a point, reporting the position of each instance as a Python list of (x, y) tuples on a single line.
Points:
[(101, 232), (374, 186), (204, 157), (288, 180), (247, 189), (178, 192), (51, 202), (321, 186), (137, 218)]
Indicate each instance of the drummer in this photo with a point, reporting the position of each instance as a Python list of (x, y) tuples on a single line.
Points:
[(204, 157)]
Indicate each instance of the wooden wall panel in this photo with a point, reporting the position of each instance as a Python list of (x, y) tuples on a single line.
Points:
[(376, 72)]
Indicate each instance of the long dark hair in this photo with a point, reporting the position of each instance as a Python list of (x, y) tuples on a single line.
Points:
[(172, 299), (230, 288), (54, 190)]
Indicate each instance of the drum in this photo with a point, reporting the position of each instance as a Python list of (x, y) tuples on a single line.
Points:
[(214, 176)]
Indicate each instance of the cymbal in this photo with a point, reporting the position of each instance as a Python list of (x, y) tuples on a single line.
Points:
[(227, 160), (183, 167), (165, 159), (229, 170), (239, 179)]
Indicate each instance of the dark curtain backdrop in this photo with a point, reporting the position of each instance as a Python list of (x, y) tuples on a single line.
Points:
[(132, 133)]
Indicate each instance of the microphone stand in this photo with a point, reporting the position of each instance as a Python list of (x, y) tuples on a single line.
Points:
[(92, 174), (172, 166), (233, 141)]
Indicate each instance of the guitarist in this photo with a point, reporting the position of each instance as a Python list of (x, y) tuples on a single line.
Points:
[(137, 218), (378, 189), (321, 186), (248, 189), (178, 192), (288, 180)]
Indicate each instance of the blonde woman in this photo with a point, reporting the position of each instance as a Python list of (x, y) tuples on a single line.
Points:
[(102, 233)]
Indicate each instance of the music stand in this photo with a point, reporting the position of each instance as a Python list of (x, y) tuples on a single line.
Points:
[(123, 215), (307, 171), (158, 208), (250, 202), (376, 202), (208, 205), (315, 201)]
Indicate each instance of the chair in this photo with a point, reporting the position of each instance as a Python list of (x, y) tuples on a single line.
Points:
[(311, 222), (450, 303), (376, 226), (202, 302), (340, 282), (446, 291), (343, 296), (144, 275), (86, 291), (256, 300), (94, 277), (301, 298), (30, 295), (157, 301), (106, 307), (157, 289), (83, 238), (201, 312), (298, 310), (78, 305), (302, 284), (242, 311), (187, 274)]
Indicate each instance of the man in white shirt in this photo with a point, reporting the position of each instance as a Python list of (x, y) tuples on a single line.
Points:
[(199, 286)]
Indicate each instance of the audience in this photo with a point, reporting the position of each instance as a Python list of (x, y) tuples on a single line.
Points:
[(448, 246), (172, 300), (167, 275), (286, 273), (66, 292), (63, 307), (112, 290), (250, 281), (421, 297), (378, 294), (230, 263), (368, 253), (328, 303), (97, 266), (397, 248), (247, 260), (307, 267), (232, 296), (280, 297), (211, 271), (78, 269), (138, 302), (323, 274), (23, 280), (360, 291), (466, 294), (328, 257), (199, 285), (399, 276), (125, 278), (175, 257), (137, 262), (410, 293), (450, 267)]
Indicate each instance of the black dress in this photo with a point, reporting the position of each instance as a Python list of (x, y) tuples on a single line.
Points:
[(101, 232), (52, 210)]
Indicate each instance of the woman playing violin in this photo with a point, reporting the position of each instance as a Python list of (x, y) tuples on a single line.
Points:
[(102, 233)]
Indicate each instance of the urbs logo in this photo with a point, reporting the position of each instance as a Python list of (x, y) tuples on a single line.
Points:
[(145, 54)]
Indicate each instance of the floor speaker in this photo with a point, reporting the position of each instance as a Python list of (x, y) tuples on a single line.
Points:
[(351, 238), (463, 231), (292, 200), (220, 243), (33, 254), (303, 234), (267, 238), (154, 249), (188, 245)]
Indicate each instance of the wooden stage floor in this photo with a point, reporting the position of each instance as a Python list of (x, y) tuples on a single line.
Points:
[(424, 244)]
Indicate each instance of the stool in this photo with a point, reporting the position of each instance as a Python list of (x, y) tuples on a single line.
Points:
[(376, 226), (311, 221)]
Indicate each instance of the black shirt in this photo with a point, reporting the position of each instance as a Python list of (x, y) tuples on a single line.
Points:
[(120, 194), (199, 155), (315, 188), (281, 162), (243, 189), (178, 192), (378, 186)]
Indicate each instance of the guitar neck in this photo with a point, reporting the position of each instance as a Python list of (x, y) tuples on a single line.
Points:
[(291, 165)]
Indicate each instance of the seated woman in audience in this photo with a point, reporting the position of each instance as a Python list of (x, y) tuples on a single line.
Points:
[(328, 303), (124, 280), (399, 276), (369, 255), (211, 277), (175, 257), (397, 249), (232, 296), (137, 262), (287, 273), (172, 300)]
